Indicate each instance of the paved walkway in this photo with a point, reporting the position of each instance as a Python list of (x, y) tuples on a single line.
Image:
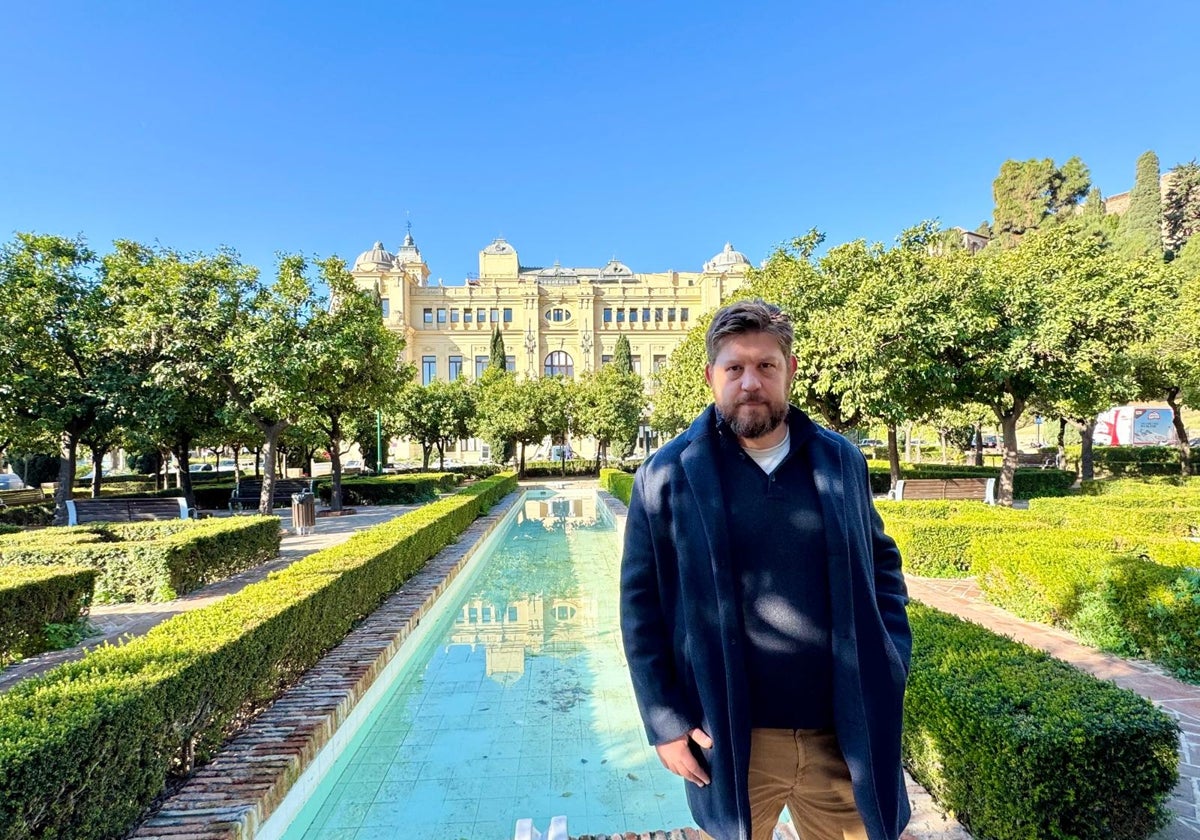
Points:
[(116, 622), (1179, 699)]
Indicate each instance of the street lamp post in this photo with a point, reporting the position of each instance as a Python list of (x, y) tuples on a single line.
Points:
[(379, 443)]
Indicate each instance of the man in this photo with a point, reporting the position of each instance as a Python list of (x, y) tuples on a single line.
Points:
[(763, 607)]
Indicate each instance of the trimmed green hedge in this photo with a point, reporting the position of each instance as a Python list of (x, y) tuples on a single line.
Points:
[(1018, 745), (935, 537), (150, 561), (1121, 519), (1027, 483), (554, 469), (619, 483), (1129, 461), (15, 517), (86, 748), (391, 489), (32, 598)]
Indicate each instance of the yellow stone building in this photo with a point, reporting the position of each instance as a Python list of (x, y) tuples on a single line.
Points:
[(555, 320)]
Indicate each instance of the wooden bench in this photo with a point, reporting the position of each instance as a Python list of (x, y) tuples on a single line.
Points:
[(80, 511), (15, 498), (249, 491), (921, 489), (1035, 459)]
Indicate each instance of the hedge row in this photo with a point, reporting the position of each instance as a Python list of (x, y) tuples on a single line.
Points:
[(1129, 461), (391, 489), (32, 598), (1123, 519), (1027, 483), (24, 515), (86, 748), (1019, 745), (150, 561), (619, 483), (1155, 488)]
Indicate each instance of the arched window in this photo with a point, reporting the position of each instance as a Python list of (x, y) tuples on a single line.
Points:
[(559, 363)]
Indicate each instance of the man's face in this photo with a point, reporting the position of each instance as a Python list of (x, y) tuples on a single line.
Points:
[(750, 379)]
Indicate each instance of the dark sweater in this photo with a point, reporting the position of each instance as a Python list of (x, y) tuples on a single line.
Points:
[(777, 540)]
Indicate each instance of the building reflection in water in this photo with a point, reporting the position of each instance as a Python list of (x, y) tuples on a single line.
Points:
[(528, 603)]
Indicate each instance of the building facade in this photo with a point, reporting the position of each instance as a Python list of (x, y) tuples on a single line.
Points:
[(555, 321)]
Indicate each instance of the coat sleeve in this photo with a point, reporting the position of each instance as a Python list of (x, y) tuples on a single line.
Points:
[(891, 594), (646, 630)]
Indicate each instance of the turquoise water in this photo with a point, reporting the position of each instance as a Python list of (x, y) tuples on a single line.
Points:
[(517, 705)]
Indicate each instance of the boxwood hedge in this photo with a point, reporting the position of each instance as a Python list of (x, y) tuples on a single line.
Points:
[(1018, 745), (84, 749), (34, 597), (619, 483), (150, 561), (391, 489)]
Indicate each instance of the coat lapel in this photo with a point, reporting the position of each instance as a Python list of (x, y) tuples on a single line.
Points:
[(829, 475)]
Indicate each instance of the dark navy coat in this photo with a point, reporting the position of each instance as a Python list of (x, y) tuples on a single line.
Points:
[(682, 626)]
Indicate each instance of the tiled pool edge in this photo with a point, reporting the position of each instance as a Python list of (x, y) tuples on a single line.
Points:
[(234, 795)]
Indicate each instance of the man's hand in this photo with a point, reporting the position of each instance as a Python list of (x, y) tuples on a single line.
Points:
[(677, 756)]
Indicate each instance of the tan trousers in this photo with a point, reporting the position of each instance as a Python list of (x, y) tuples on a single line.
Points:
[(803, 769)]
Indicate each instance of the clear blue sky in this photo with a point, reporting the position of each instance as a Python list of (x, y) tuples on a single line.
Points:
[(650, 131)]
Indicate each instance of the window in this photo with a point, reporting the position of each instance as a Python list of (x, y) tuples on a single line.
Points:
[(473, 614), (428, 369), (467, 313), (558, 315), (646, 314), (507, 315), (606, 359), (487, 615), (659, 361), (562, 612), (633, 316), (386, 305), (559, 363), (620, 316), (510, 364), (495, 316), (637, 364), (683, 314), (608, 316), (481, 315), (427, 316), (453, 316), (658, 314), (671, 314), (441, 316), (512, 613), (455, 369), (480, 366)]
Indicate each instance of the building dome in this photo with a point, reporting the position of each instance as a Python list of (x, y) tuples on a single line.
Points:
[(727, 260), (499, 246), (616, 270), (377, 259)]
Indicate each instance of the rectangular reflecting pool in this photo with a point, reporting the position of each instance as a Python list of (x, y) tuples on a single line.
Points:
[(515, 703)]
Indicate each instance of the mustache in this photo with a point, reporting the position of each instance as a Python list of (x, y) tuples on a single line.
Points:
[(751, 401)]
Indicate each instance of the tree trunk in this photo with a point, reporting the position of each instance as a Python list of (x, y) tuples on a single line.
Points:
[(271, 433), (978, 445), (942, 441), (521, 467), (1008, 424), (66, 478), (97, 471), (183, 456), (257, 461), (441, 447), (426, 451), (1185, 450), (335, 462), (1061, 457), (1087, 435), (893, 454)]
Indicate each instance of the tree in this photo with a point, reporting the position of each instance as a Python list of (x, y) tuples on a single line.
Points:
[(55, 368), (1141, 227), (358, 366), (416, 417), (171, 313), (1030, 193), (270, 368), (455, 405), (622, 358), (1181, 207), (609, 406), (512, 410), (680, 393), (497, 360)]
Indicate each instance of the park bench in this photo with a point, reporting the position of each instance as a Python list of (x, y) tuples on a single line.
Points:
[(15, 498), (921, 489), (80, 511), (1035, 459), (249, 490)]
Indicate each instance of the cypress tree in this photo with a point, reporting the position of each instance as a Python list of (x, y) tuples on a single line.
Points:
[(1181, 207), (622, 355), (497, 361), (1141, 226), (1093, 207)]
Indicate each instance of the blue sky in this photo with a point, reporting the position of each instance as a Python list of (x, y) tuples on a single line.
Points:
[(653, 132)]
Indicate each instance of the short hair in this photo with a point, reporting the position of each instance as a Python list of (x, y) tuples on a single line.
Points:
[(747, 316)]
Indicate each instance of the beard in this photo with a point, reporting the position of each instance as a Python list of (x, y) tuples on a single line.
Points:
[(754, 417)]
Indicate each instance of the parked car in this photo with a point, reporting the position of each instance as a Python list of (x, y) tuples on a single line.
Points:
[(871, 442), (11, 481)]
